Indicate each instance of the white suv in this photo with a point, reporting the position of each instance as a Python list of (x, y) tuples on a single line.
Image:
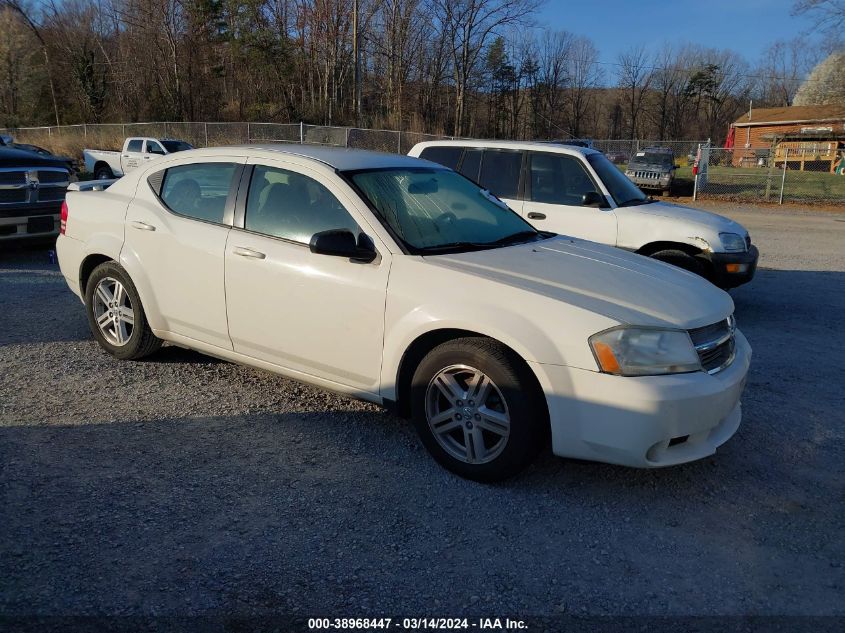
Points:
[(577, 191), (400, 282)]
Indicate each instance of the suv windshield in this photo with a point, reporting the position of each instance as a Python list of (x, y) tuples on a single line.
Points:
[(664, 159), (439, 211), (623, 191)]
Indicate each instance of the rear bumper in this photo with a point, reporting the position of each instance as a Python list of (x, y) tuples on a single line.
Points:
[(645, 422), (70, 253), (734, 269)]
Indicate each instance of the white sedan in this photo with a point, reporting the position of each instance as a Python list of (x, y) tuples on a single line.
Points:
[(398, 281)]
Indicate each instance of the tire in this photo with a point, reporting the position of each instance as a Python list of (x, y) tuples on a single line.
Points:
[(110, 291), (681, 260), (509, 421), (103, 172)]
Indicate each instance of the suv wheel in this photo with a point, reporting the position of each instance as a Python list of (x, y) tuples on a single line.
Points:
[(115, 314), (681, 260), (477, 410)]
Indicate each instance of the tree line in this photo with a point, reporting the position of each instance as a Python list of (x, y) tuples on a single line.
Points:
[(464, 67)]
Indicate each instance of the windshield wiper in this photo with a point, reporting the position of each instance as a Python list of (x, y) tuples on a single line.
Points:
[(451, 246)]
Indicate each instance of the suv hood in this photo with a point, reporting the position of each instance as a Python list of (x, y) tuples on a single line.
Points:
[(628, 288), (696, 216), (649, 167)]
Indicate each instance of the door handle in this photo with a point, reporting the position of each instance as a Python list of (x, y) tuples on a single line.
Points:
[(248, 252), (135, 224), (536, 216)]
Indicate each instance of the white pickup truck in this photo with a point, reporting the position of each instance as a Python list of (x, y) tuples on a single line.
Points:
[(136, 151)]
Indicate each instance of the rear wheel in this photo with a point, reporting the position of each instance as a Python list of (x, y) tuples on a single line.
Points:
[(477, 409), (103, 172), (115, 314), (681, 260)]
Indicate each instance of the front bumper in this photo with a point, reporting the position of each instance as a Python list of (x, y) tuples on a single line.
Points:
[(734, 269), (644, 422), (44, 225)]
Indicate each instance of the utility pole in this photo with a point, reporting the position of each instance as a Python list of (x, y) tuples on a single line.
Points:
[(356, 52)]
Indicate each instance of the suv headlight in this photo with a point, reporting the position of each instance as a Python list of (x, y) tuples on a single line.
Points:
[(732, 242), (637, 351)]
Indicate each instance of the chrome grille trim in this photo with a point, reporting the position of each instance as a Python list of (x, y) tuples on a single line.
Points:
[(28, 184), (715, 344)]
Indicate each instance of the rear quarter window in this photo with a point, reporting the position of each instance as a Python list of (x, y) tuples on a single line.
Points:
[(446, 156)]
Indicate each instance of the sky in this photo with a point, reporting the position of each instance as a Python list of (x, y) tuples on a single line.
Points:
[(746, 26)]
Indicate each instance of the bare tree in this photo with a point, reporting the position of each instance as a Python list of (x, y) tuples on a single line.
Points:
[(468, 26), (634, 78), (584, 77)]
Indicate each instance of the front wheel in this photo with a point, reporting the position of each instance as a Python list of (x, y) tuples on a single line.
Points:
[(477, 409), (115, 314), (103, 172), (681, 260)]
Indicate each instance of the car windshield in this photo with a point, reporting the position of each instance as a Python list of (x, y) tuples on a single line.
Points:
[(176, 146), (664, 159), (438, 211), (621, 189)]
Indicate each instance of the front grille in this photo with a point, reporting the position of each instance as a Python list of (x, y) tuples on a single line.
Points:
[(12, 177), (11, 196), (51, 194), (45, 177), (647, 175), (715, 345)]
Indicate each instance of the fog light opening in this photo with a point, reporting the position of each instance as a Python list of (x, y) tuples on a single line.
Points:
[(736, 268), (678, 440)]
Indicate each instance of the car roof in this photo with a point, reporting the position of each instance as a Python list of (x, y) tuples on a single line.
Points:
[(340, 158), (539, 146)]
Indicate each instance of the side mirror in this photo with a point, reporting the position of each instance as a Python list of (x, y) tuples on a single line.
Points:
[(593, 199), (341, 243)]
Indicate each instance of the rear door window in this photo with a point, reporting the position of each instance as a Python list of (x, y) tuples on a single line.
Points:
[(500, 173), (446, 156), (134, 145), (198, 190)]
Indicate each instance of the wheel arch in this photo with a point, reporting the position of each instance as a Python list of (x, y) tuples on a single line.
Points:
[(427, 341), (87, 267), (662, 245)]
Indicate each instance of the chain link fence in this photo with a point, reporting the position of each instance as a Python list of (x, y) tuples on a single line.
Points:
[(807, 175), (775, 176)]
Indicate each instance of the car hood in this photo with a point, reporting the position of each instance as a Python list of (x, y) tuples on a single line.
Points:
[(628, 288), (649, 167), (688, 214)]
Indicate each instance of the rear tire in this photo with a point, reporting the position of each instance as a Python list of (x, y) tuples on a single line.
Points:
[(477, 409), (115, 314), (103, 172), (681, 260)]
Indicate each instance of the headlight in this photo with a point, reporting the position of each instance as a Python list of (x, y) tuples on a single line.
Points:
[(732, 242), (633, 351)]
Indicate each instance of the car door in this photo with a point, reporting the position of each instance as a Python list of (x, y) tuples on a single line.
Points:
[(176, 230), (132, 155), (554, 188), (315, 314), (152, 150)]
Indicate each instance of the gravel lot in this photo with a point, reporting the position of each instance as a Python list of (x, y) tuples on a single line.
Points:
[(185, 485)]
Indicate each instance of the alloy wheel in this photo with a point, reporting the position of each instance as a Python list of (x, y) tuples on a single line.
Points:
[(113, 311)]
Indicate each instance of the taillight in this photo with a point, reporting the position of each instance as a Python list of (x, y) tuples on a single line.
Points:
[(63, 218)]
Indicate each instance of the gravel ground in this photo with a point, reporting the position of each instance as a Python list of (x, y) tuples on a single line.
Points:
[(184, 485)]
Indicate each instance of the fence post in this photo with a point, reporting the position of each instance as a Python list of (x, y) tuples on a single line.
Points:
[(346, 141), (301, 134), (205, 125), (248, 135), (85, 131), (399, 142), (783, 177)]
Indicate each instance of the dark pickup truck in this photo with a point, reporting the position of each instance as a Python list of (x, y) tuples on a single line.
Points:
[(32, 189)]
